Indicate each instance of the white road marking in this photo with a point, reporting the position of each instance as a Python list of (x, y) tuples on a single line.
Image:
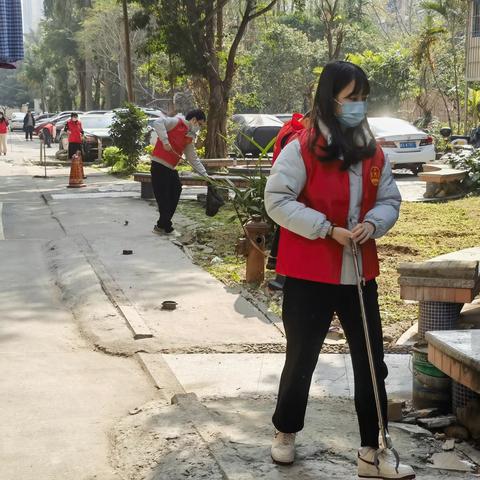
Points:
[(2, 237)]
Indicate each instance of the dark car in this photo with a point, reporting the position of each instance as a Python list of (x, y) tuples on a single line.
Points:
[(42, 116), (97, 112), (284, 117), (96, 129), (260, 128)]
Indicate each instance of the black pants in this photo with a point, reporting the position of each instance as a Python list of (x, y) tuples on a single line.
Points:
[(167, 189), (307, 312), (28, 133), (47, 138), (73, 148)]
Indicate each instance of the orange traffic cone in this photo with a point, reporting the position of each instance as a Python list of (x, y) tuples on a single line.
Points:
[(76, 172)]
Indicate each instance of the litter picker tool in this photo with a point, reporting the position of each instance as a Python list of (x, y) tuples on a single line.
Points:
[(384, 439)]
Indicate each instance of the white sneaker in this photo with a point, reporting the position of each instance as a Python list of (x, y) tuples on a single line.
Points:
[(386, 466), (283, 448)]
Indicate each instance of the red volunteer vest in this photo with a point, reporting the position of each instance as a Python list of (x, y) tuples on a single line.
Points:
[(4, 127), (178, 140), (328, 191), (74, 131), (287, 133)]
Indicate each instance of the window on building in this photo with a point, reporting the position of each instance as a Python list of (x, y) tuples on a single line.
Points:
[(476, 19)]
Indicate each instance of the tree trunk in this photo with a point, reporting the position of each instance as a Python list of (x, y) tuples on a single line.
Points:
[(88, 85), (215, 144), (107, 93), (171, 79), (81, 83)]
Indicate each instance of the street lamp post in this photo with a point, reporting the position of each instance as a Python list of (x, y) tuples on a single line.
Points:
[(128, 56)]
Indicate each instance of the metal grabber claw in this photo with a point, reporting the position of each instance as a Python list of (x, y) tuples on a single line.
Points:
[(384, 439)]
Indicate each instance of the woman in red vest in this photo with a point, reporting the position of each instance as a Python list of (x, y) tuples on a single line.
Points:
[(75, 132), (328, 187), (176, 137)]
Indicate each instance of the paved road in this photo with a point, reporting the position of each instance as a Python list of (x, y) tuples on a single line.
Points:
[(60, 399)]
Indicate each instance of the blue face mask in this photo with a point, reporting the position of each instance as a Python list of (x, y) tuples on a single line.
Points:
[(352, 113)]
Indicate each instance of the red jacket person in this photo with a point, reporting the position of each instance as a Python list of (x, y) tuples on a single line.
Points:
[(75, 132), (330, 186), (176, 137)]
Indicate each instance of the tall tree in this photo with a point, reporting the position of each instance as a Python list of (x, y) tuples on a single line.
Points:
[(423, 57), (62, 23), (452, 13), (330, 15), (193, 30)]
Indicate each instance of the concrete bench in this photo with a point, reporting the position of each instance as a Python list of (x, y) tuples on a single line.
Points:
[(442, 181), (216, 163), (452, 278), (188, 179), (457, 354), (442, 286), (250, 171)]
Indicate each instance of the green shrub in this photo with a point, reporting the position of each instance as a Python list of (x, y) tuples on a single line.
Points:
[(148, 149), (111, 155), (127, 131), (467, 160)]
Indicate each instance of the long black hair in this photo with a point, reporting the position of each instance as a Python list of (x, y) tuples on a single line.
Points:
[(344, 141)]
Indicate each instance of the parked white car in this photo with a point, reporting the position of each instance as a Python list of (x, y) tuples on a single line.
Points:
[(16, 121), (403, 144)]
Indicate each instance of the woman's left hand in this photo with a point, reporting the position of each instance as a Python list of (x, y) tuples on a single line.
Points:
[(362, 232)]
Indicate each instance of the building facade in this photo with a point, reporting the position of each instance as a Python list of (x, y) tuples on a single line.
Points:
[(32, 14)]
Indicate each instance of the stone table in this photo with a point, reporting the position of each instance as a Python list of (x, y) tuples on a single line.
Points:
[(441, 286), (457, 353)]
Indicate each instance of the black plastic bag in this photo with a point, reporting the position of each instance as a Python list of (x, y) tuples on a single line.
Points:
[(214, 201)]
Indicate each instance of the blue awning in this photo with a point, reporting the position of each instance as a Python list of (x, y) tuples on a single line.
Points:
[(11, 31)]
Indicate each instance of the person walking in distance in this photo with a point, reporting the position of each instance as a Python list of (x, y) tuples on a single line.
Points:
[(329, 187), (29, 125), (176, 137), (75, 132), (3, 133)]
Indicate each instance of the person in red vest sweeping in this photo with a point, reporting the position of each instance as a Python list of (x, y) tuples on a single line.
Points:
[(328, 187), (75, 133), (176, 137)]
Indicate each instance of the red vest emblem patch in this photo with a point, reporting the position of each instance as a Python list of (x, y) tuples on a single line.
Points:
[(375, 176)]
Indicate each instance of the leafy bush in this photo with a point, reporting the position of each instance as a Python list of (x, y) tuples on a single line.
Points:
[(467, 160), (128, 131), (111, 155), (249, 201), (391, 75), (148, 149)]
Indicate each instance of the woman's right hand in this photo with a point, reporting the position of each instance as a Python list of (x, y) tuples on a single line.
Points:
[(342, 236)]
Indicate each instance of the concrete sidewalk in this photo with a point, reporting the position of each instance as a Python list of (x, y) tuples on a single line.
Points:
[(208, 314), (217, 375), (60, 399)]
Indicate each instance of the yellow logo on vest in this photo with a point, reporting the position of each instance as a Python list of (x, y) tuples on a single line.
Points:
[(375, 176)]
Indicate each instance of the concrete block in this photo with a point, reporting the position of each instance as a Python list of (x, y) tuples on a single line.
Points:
[(438, 422), (451, 461), (395, 413)]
